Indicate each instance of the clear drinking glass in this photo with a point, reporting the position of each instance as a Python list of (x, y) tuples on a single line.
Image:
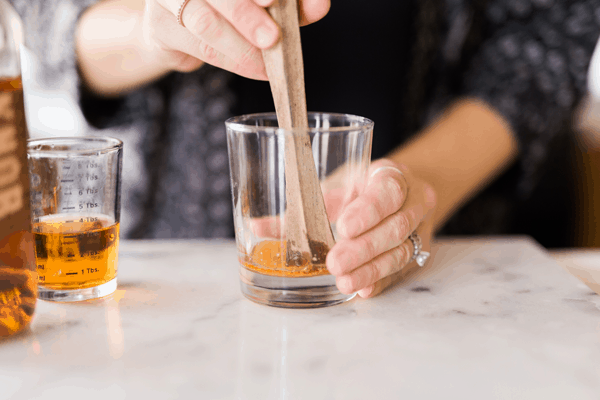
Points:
[(341, 146), (75, 209)]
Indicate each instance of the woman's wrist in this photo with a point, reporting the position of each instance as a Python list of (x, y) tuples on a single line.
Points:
[(460, 153)]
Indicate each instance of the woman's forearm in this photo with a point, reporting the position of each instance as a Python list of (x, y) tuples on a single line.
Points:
[(113, 55), (459, 154)]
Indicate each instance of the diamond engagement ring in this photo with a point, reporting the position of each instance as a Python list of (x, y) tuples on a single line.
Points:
[(418, 255), (180, 11)]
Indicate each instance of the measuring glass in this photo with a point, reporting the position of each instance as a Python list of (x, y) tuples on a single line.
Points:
[(75, 208), (341, 146)]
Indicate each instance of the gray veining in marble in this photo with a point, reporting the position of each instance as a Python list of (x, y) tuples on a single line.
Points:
[(490, 319)]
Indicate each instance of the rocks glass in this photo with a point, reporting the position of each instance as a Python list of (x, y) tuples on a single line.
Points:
[(341, 146)]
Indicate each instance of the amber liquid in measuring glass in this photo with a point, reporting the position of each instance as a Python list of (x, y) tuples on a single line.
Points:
[(75, 252), (270, 257), (18, 289)]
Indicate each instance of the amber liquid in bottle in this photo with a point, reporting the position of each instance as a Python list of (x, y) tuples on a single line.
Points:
[(18, 279), (75, 253)]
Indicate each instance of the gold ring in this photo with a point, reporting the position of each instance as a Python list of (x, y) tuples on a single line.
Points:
[(180, 12)]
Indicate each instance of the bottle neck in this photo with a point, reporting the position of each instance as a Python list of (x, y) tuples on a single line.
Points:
[(11, 40)]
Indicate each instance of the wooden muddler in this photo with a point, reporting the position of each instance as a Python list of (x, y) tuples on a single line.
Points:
[(307, 227)]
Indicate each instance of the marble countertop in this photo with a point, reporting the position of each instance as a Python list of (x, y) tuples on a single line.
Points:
[(492, 318), (584, 263)]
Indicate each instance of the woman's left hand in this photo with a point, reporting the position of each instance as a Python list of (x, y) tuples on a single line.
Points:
[(374, 250)]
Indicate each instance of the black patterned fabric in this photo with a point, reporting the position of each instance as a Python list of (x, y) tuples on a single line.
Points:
[(184, 150), (532, 67), (530, 64)]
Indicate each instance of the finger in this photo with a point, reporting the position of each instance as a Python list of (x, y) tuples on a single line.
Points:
[(216, 40), (342, 186), (382, 197), (183, 62), (390, 280), (313, 10), (367, 292), (379, 268), (252, 21), (348, 255), (334, 202), (403, 274), (186, 60), (214, 48)]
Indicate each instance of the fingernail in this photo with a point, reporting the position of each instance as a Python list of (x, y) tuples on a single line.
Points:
[(344, 284), (266, 35), (366, 292)]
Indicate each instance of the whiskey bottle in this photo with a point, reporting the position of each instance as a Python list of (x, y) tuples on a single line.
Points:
[(18, 279)]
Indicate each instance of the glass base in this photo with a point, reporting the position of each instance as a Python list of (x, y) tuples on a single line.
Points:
[(277, 291), (77, 294)]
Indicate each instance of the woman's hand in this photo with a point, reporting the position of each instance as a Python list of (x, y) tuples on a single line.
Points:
[(374, 250), (225, 33)]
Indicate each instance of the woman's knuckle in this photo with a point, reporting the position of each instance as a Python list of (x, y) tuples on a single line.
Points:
[(401, 226), (374, 271), (209, 54), (402, 256), (205, 22), (395, 191), (369, 247), (241, 14), (172, 58), (178, 60), (376, 209), (247, 58), (397, 232), (187, 63)]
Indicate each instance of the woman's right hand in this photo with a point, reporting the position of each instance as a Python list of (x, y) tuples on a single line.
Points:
[(229, 34)]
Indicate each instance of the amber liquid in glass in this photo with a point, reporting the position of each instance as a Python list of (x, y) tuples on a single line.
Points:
[(18, 290), (270, 257), (75, 252)]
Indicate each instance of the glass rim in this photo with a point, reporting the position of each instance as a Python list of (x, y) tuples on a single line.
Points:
[(106, 144), (240, 123)]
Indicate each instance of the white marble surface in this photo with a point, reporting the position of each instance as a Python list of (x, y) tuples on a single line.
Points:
[(491, 319)]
